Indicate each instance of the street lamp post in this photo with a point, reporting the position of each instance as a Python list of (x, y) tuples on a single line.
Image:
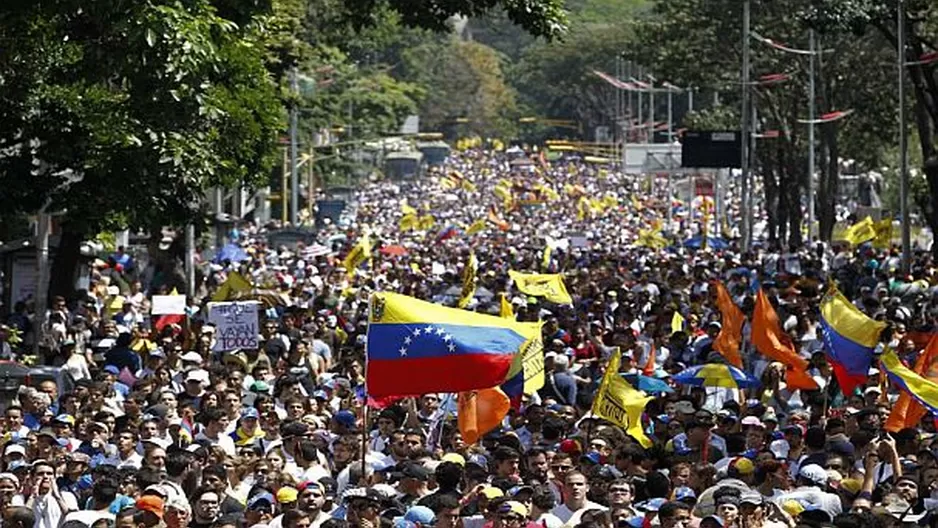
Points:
[(294, 175), (903, 144), (812, 111), (746, 132)]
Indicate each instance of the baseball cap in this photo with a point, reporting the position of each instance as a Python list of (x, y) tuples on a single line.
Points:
[(345, 418), (111, 369), (260, 500), (455, 458), (249, 412), (421, 515), (514, 507), (259, 386), (814, 473), (65, 419), (684, 407), (286, 495), (491, 492), (191, 357), (651, 505), (152, 504), (753, 421), (416, 471), (14, 449), (751, 497), (684, 494)]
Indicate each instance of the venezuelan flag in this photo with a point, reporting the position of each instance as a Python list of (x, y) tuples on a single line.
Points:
[(415, 347), (923, 390), (849, 339)]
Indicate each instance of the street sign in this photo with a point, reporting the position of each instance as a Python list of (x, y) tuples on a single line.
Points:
[(719, 149)]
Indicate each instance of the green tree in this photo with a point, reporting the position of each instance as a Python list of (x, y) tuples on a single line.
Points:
[(462, 80), (149, 103), (880, 18), (699, 43)]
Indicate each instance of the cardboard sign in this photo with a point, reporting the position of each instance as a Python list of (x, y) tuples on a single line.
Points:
[(237, 324), (168, 305)]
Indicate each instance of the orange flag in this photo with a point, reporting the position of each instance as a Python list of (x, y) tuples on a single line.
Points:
[(649, 368), (907, 412), (478, 412), (731, 332), (774, 344)]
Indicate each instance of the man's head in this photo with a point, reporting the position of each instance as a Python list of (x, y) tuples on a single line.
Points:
[(207, 504), (507, 462), (149, 511), (311, 497), (575, 487), (674, 514), (18, 517)]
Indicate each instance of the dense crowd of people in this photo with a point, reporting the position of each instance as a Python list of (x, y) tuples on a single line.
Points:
[(154, 427)]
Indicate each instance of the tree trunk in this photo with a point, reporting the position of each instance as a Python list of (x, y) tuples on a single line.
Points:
[(784, 208), (65, 265), (827, 186)]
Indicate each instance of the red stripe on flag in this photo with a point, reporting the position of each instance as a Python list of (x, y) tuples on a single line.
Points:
[(457, 373)]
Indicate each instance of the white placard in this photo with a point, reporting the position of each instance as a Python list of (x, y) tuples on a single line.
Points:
[(168, 305), (237, 324)]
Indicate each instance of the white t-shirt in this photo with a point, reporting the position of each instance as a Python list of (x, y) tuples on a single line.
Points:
[(224, 442), (572, 518), (48, 512)]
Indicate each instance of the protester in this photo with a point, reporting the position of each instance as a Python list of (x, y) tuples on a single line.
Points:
[(179, 420)]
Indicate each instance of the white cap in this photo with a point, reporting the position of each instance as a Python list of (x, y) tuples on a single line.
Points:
[(192, 357), (814, 473), (753, 421), (13, 449)]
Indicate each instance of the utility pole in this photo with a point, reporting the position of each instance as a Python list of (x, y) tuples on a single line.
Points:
[(43, 221), (903, 145), (651, 110), (190, 259), (746, 132), (294, 177), (690, 99), (812, 112)]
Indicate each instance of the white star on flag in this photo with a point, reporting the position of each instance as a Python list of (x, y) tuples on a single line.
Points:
[(403, 351), (407, 340), (452, 347)]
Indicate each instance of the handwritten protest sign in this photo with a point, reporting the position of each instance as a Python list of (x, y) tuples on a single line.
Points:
[(236, 322), (168, 305)]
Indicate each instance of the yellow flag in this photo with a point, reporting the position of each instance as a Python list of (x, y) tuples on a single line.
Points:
[(677, 322), (505, 310), (548, 286), (359, 254), (883, 234), (545, 260), (468, 281), (477, 227), (651, 238), (610, 201), (636, 204), (860, 232), (407, 210), (426, 222), (468, 186), (409, 222), (532, 359), (619, 403), (235, 283)]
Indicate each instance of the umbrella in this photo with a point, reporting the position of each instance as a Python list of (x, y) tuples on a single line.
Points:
[(481, 293), (716, 375), (397, 251), (231, 252), (647, 383), (712, 243)]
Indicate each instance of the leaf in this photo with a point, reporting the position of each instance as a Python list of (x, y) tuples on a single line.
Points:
[(151, 37)]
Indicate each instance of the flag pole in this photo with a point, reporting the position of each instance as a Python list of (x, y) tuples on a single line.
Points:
[(364, 434)]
